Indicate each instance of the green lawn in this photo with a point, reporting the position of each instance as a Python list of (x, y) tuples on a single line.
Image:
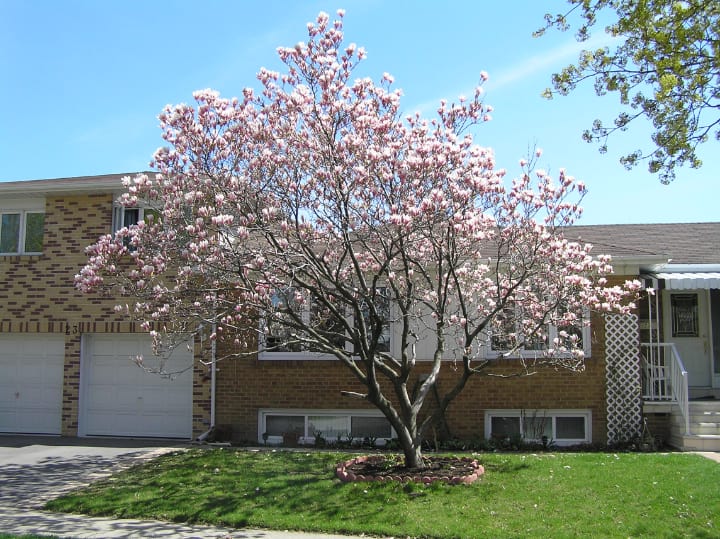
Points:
[(521, 495)]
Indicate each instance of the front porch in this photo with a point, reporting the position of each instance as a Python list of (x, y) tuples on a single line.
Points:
[(692, 414)]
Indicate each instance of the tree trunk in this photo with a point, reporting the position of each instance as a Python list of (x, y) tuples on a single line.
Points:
[(411, 446), (413, 456)]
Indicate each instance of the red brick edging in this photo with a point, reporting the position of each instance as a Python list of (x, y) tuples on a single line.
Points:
[(347, 476)]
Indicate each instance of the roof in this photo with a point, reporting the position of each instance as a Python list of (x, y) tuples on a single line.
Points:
[(682, 243)]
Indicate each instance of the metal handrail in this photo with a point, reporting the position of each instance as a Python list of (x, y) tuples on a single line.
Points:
[(664, 377)]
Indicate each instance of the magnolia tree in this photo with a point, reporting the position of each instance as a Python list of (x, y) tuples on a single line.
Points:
[(312, 217)]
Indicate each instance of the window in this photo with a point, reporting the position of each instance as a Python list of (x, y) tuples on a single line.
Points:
[(280, 340), (507, 336), (326, 322), (126, 217), (332, 425), (21, 232), (684, 315), (382, 304), (504, 336), (563, 427)]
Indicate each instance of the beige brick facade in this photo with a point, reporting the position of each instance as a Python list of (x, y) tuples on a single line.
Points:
[(38, 295)]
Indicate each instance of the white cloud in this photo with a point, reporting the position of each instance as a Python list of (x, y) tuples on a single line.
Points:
[(542, 63), (546, 61)]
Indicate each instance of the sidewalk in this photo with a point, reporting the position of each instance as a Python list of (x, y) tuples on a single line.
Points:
[(20, 521), (709, 455)]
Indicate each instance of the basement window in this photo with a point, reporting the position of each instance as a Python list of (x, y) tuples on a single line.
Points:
[(302, 426), (562, 427)]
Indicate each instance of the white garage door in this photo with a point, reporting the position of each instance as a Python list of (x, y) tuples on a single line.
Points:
[(31, 380), (121, 399)]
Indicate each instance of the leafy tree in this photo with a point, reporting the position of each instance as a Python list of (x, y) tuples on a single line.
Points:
[(311, 217), (666, 67)]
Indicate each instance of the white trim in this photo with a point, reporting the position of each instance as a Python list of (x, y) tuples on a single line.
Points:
[(33, 205), (294, 356), (551, 414), (81, 184), (82, 391), (692, 268)]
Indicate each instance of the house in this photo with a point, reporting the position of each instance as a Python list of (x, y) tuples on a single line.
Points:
[(66, 359), (64, 355), (679, 327)]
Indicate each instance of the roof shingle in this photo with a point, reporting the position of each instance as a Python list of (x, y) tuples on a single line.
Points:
[(684, 243)]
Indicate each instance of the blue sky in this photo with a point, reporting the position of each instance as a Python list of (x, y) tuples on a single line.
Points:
[(84, 80)]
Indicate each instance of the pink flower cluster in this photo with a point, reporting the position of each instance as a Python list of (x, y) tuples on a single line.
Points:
[(318, 183)]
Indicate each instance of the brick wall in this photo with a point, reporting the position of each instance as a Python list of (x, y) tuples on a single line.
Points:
[(38, 296), (247, 385), (39, 293)]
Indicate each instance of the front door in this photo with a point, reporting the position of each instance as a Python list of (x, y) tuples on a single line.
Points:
[(686, 324)]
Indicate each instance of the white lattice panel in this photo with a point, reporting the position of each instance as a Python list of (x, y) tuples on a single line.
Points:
[(622, 364)]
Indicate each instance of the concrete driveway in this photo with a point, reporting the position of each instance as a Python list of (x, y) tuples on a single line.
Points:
[(35, 469)]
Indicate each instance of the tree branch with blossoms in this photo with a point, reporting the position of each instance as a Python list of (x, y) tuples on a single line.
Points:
[(314, 218)]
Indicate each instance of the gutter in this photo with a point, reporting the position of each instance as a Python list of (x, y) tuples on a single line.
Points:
[(82, 184)]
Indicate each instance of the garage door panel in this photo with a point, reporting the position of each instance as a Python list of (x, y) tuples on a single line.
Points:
[(123, 399), (134, 423), (54, 371), (12, 346), (164, 399), (112, 423), (31, 380), (30, 369), (37, 397), (35, 420)]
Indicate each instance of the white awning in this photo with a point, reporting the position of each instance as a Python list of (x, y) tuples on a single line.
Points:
[(690, 280)]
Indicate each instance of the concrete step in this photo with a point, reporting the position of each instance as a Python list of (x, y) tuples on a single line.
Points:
[(696, 442), (704, 414), (711, 406), (696, 427), (705, 428), (695, 418)]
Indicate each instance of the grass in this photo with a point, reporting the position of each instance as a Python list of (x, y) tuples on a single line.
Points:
[(521, 495)]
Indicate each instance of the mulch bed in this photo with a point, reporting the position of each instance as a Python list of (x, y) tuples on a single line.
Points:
[(452, 470)]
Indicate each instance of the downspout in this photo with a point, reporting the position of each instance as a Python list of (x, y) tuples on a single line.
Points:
[(213, 380), (213, 358)]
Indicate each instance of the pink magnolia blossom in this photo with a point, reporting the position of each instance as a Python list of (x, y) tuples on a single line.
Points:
[(312, 209)]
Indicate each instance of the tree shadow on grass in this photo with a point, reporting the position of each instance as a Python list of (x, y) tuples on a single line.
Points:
[(505, 466)]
